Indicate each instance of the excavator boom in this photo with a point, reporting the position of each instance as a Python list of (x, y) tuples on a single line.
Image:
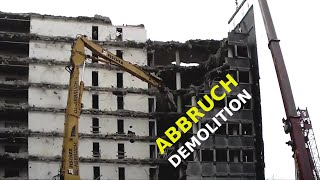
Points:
[(69, 169)]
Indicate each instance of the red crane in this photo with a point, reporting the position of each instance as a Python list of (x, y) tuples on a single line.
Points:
[(298, 123)]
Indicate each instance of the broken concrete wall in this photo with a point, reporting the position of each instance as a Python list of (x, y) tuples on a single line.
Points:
[(61, 51), (55, 27), (41, 73), (133, 55), (108, 148), (107, 124), (131, 33), (72, 28), (41, 170), (52, 98), (190, 51), (235, 148)]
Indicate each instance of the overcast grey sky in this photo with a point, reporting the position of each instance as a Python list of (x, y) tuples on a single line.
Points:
[(296, 23)]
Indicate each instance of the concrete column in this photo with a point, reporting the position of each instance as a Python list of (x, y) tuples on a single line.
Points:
[(195, 129), (179, 105), (178, 83), (227, 127), (230, 54), (152, 62), (228, 157), (235, 131)]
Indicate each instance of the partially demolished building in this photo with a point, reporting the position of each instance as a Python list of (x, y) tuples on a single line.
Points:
[(122, 116)]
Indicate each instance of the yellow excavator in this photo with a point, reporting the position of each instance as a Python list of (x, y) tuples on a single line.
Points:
[(69, 169)]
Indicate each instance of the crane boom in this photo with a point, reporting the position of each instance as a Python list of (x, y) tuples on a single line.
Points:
[(292, 123), (69, 169)]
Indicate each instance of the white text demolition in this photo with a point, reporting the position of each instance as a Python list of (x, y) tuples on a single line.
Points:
[(204, 133), (184, 125)]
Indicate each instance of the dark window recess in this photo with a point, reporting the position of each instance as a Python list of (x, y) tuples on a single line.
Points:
[(247, 105), (151, 104), (121, 151), (247, 156), (190, 157), (120, 126), (219, 104), (221, 155), (11, 149), (244, 77), (8, 25), (187, 101), (95, 149), (233, 129), (20, 49), (207, 155), (95, 125), (119, 54), (95, 78), (234, 74), (10, 79), (119, 80), (121, 171), (233, 103), (203, 124), (9, 124), (204, 101), (119, 34), (96, 173), (95, 33), (152, 151), (234, 155), (152, 128), (246, 129), (150, 60), (11, 172), (152, 173), (242, 51), (233, 49), (131, 133), (94, 57), (120, 102), (95, 101), (11, 101), (221, 130), (17, 94)]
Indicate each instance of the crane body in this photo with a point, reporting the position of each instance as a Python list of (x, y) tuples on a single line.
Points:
[(293, 122)]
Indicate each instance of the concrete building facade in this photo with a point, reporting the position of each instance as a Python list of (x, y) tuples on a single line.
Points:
[(116, 133), (122, 116), (235, 150)]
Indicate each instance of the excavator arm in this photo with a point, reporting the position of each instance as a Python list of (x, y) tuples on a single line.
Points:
[(69, 169), (106, 56)]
